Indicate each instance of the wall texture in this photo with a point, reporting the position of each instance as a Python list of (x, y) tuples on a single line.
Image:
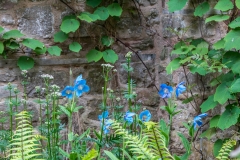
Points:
[(143, 26)]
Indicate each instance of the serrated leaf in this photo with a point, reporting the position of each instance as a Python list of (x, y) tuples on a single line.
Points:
[(114, 9), (102, 12), (1, 47), (219, 44), (237, 2), (107, 41), (229, 117), (110, 56), (94, 55), (70, 25), (214, 121), (217, 18), (54, 50), (40, 50), (208, 104), (12, 34), (235, 23), (235, 87), (75, 47), (60, 37), (25, 63), (202, 9), (1, 29), (232, 39), (217, 146), (173, 65), (222, 93), (224, 5), (88, 17), (175, 5), (209, 133), (32, 43), (93, 3)]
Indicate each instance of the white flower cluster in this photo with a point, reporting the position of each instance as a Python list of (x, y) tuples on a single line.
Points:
[(56, 94), (23, 100), (118, 99), (114, 70), (55, 87), (24, 72), (107, 65), (128, 55), (46, 76)]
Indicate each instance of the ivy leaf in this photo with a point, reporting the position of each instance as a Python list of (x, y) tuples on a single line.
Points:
[(217, 18), (222, 93), (1, 29), (102, 12), (217, 146), (237, 2), (54, 50), (232, 39), (93, 3), (202, 9), (224, 5), (209, 133), (235, 87), (115, 9), (32, 43), (12, 45), (229, 117), (60, 36), (230, 58), (94, 55), (175, 5), (40, 50), (12, 34), (1, 47), (107, 41), (88, 17), (219, 44), (173, 65), (110, 56), (214, 121), (208, 104), (75, 47), (25, 62), (235, 23), (69, 24), (235, 67)]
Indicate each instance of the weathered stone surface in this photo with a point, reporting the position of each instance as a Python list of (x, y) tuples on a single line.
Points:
[(37, 20), (4, 92), (7, 4), (7, 20), (8, 77)]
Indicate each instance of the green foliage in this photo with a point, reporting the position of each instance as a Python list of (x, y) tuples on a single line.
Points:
[(54, 50), (107, 41), (12, 34), (25, 63), (217, 146), (237, 3), (110, 155), (217, 18), (209, 133), (94, 55), (224, 5), (75, 47), (90, 155), (1, 47), (186, 145), (1, 29), (214, 121), (102, 13), (175, 5), (69, 24), (226, 149), (208, 104), (110, 56), (232, 39), (88, 17), (114, 9), (235, 23), (60, 37), (93, 3), (173, 65), (202, 9), (222, 93), (24, 144), (32, 43)]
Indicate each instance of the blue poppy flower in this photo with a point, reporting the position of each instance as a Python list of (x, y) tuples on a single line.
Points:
[(79, 78), (68, 92), (81, 87), (180, 88), (128, 117), (103, 115), (165, 91), (145, 116), (107, 125), (197, 121)]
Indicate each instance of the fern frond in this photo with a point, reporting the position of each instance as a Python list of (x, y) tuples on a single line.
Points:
[(226, 149), (138, 146), (90, 155), (24, 144), (156, 141)]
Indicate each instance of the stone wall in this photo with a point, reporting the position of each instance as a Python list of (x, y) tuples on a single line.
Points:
[(146, 31)]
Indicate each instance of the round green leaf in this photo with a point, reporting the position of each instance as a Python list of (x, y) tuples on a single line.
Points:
[(208, 104), (102, 12), (40, 50), (1, 47), (217, 146), (237, 3), (32, 43), (202, 9), (229, 117), (175, 5), (25, 63), (110, 56), (107, 41), (219, 44), (88, 17), (60, 37), (70, 25), (217, 18), (94, 55), (235, 23), (115, 9), (75, 47), (93, 3), (224, 5), (1, 29), (222, 93), (173, 65), (54, 50), (12, 34)]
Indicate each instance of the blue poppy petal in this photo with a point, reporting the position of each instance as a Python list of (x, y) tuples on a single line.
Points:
[(203, 115), (86, 88)]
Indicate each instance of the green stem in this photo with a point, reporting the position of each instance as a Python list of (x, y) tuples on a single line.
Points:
[(129, 84)]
